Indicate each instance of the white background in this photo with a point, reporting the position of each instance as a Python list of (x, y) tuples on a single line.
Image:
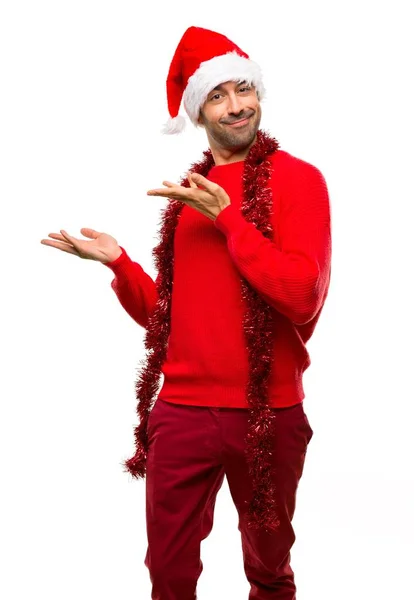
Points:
[(82, 104)]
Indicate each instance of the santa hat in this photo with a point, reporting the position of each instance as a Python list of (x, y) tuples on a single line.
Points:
[(203, 60)]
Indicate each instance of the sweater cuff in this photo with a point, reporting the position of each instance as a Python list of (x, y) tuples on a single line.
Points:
[(230, 220), (121, 265)]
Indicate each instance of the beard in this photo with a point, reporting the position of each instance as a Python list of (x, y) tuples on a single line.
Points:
[(231, 137)]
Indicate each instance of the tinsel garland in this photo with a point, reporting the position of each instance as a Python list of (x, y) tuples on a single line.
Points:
[(256, 207)]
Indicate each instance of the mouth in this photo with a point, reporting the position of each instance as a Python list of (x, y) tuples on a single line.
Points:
[(241, 123)]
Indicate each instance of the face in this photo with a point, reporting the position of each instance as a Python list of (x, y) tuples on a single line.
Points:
[(231, 115)]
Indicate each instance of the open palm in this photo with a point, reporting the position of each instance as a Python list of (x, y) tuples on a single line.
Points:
[(102, 246)]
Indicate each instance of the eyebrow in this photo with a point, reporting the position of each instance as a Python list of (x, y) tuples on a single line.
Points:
[(220, 87)]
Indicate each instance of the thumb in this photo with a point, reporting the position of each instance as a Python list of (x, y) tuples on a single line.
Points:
[(90, 233), (201, 180), (190, 177)]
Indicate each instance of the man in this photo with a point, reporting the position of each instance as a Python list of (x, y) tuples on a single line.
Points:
[(244, 266)]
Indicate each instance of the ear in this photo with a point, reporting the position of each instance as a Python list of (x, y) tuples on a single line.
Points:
[(200, 120)]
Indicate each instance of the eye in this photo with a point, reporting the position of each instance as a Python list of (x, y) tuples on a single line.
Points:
[(246, 87)]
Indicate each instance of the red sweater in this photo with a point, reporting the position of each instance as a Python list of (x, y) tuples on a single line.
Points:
[(206, 362)]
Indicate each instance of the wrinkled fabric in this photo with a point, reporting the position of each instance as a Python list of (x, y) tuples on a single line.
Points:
[(191, 449)]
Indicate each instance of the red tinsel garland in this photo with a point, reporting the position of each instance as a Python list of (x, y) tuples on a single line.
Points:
[(256, 207)]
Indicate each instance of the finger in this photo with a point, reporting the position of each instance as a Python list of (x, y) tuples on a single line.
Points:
[(172, 192), (169, 185), (206, 183), (198, 178), (72, 239), (57, 236), (190, 179), (90, 233), (60, 246), (159, 192)]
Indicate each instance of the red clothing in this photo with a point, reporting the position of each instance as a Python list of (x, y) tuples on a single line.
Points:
[(207, 362)]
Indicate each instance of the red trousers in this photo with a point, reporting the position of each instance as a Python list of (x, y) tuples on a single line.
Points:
[(191, 448)]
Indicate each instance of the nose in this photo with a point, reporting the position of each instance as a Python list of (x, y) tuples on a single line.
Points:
[(235, 104)]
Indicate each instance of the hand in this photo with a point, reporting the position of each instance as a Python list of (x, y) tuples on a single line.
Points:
[(101, 247), (209, 199)]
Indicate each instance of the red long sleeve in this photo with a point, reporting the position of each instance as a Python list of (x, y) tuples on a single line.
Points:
[(206, 362), (294, 279), (134, 288)]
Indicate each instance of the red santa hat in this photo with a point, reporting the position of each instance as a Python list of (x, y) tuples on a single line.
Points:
[(204, 59)]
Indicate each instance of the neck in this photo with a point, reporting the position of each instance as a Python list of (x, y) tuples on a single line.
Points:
[(224, 156)]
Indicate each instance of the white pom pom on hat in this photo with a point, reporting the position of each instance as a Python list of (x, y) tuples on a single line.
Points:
[(174, 125), (204, 59)]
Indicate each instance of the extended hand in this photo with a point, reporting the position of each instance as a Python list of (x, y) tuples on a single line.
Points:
[(102, 246), (210, 199)]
